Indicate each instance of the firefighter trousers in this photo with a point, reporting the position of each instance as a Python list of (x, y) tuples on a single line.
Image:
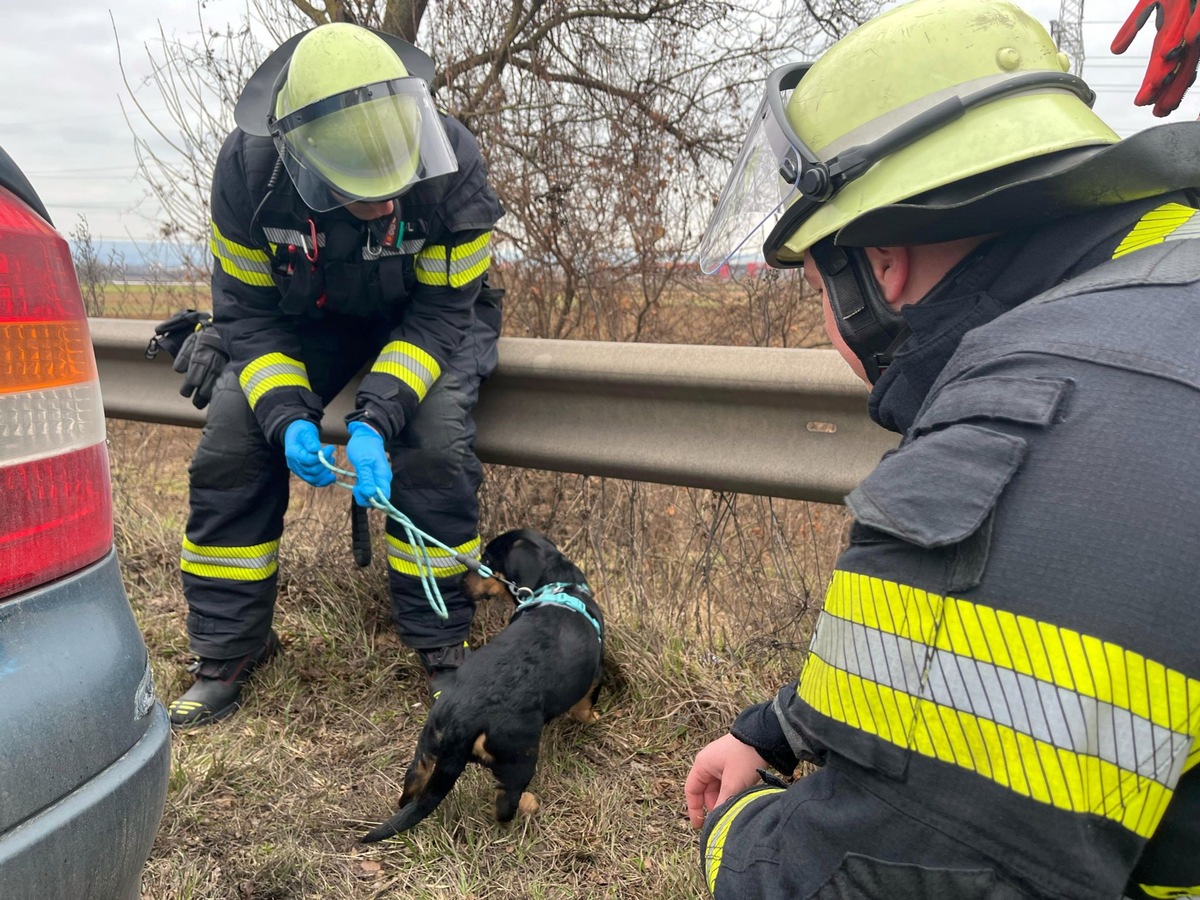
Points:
[(239, 484)]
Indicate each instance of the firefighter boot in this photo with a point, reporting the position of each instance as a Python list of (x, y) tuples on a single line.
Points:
[(217, 690), (440, 663)]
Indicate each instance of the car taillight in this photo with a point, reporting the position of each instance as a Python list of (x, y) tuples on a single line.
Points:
[(55, 501)]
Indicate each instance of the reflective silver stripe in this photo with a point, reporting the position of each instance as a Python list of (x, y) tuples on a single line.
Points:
[(403, 557), (1189, 229), (266, 372), (1044, 711), (419, 368), (210, 556), (413, 246), (466, 263), (290, 236), (440, 565)]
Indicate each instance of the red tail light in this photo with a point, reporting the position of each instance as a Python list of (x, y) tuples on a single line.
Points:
[(55, 501)]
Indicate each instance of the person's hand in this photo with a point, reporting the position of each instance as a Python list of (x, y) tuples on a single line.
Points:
[(370, 460), (723, 768), (301, 444), (202, 358), (1174, 54)]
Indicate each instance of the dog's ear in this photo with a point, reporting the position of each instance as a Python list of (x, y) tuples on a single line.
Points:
[(526, 562)]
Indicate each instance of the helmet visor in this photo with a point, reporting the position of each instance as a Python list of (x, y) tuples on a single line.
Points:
[(370, 143), (778, 182), (764, 179)]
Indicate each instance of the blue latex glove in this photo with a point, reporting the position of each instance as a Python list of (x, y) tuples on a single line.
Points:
[(371, 464), (301, 443)]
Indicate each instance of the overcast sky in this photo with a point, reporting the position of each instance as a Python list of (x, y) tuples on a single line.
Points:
[(61, 117)]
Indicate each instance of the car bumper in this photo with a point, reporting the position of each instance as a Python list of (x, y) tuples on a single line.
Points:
[(93, 842), (84, 743)]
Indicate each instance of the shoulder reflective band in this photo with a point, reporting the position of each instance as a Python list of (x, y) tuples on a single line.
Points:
[(442, 266), (1051, 714), (247, 264), (1169, 222)]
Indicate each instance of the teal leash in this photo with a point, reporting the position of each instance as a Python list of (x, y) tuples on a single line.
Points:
[(419, 540)]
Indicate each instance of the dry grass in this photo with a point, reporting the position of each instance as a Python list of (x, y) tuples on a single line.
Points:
[(709, 599)]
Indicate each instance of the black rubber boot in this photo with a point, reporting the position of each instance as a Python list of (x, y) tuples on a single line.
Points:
[(440, 663), (217, 690)]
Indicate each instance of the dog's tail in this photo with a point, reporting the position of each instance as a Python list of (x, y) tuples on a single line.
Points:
[(429, 779)]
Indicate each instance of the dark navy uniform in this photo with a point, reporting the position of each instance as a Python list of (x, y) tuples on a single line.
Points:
[(304, 301), (1003, 688)]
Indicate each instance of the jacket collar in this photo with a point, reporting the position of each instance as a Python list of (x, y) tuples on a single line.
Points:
[(997, 277)]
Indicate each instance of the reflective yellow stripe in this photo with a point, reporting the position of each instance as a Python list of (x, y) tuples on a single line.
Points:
[(1169, 222), (246, 264), (470, 260), (432, 266), (1054, 715), (715, 848), (253, 563), (1171, 893), (270, 371), (405, 559), (410, 364)]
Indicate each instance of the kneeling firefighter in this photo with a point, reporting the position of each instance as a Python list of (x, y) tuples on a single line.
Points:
[(351, 229), (1002, 693)]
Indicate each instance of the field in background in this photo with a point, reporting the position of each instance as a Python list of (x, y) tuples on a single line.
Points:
[(710, 599)]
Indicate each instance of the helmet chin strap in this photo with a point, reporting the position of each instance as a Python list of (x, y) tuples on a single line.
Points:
[(871, 329)]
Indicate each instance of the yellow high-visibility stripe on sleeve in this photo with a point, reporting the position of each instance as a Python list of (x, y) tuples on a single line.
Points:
[(410, 364), (247, 264), (470, 260), (270, 371), (714, 850), (442, 266), (432, 266)]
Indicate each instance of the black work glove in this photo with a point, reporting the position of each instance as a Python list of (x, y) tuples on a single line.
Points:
[(170, 334), (202, 359)]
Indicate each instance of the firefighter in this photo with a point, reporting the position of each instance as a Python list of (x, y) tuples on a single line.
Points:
[(1002, 693), (351, 229)]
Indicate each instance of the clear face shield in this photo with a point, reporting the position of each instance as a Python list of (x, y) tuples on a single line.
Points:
[(765, 179), (370, 143), (778, 181)]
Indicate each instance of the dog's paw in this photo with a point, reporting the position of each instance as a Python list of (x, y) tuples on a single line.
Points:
[(584, 712), (528, 804)]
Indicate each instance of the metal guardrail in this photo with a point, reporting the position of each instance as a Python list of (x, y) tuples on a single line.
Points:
[(783, 423)]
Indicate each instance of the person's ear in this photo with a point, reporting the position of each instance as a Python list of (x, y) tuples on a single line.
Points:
[(891, 267)]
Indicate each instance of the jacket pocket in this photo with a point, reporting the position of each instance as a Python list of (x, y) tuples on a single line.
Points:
[(861, 877), (939, 489)]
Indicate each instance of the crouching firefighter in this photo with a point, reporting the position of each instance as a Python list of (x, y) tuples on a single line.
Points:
[(1002, 692), (351, 230)]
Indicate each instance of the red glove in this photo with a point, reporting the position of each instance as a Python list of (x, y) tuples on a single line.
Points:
[(1174, 55)]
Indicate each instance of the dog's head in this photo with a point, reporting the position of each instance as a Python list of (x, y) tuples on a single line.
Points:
[(525, 557)]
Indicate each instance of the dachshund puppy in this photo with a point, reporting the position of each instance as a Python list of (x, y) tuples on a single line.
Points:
[(547, 661)]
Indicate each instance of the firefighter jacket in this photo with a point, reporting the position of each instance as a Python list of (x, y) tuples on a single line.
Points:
[(1009, 648), (411, 280)]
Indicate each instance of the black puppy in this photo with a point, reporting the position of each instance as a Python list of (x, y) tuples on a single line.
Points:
[(491, 711)]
